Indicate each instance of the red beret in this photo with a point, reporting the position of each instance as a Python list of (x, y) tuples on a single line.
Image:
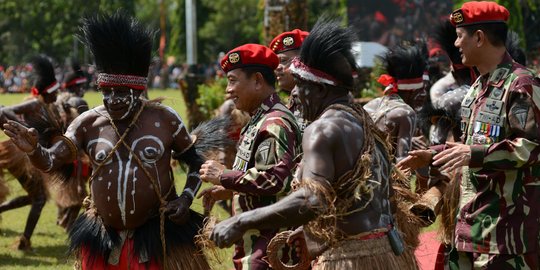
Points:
[(249, 55), (476, 12), (287, 41)]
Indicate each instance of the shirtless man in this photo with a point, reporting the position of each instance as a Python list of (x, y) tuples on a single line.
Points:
[(395, 111), (333, 167), (134, 217), (41, 113)]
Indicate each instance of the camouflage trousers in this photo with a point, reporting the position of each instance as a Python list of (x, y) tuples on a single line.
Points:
[(472, 260)]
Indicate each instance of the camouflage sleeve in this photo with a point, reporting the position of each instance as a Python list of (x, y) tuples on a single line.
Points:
[(521, 147), (274, 162)]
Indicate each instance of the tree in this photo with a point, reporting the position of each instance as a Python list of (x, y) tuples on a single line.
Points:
[(30, 27), (227, 25)]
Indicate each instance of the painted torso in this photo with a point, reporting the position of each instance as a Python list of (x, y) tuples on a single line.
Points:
[(393, 116), (122, 191)]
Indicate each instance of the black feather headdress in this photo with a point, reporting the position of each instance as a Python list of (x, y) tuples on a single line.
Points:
[(405, 61), (44, 78), (75, 76), (513, 48), (120, 44), (445, 35), (327, 48)]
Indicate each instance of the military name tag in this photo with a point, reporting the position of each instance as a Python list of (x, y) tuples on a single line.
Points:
[(490, 118)]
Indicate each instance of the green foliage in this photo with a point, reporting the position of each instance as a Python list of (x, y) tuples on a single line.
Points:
[(317, 8), (227, 25), (373, 88), (211, 96), (177, 39), (29, 27)]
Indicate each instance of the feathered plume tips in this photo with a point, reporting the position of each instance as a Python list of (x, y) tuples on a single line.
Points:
[(445, 35), (405, 61), (514, 49), (43, 72), (75, 73), (212, 141), (120, 44), (75, 66), (326, 48)]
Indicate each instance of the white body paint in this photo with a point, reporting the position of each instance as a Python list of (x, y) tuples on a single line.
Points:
[(126, 166)]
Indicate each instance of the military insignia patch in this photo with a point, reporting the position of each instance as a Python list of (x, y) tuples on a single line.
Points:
[(496, 93), (457, 17), (234, 58), (288, 41), (520, 113)]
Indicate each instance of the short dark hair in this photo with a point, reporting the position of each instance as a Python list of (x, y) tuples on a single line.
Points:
[(267, 73), (495, 32)]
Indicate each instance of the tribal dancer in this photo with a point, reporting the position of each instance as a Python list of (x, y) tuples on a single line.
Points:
[(41, 113), (71, 193), (134, 217), (395, 112), (343, 196)]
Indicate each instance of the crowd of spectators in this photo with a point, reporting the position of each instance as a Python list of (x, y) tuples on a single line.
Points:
[(17, 79)]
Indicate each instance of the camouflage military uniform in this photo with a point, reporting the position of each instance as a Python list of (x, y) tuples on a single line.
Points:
[(500, 189), (262, 173)]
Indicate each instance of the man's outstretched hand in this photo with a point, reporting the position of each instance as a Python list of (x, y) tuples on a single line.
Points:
[(416, 159), (24, 138), (227, 232)]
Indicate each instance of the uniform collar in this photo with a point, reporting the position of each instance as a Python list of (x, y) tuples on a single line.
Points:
[(267, 104), (498, 76)]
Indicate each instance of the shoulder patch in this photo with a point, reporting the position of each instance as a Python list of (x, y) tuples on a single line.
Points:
[(520, 112)]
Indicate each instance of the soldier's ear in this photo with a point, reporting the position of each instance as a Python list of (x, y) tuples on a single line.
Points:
[(480, 38), (259, 79)]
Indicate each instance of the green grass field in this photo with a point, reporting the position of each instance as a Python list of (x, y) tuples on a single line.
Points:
[(49, 240)]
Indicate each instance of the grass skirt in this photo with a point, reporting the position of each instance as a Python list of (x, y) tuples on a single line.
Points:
[(100, 240), (365, 254)]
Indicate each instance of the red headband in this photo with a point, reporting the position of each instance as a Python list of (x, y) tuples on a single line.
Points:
[(393, 85), (75, 81), (311, 74), (131, 81), (49, 89)]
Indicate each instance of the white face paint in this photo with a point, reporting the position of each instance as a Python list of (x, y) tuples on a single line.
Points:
[(120, 102)]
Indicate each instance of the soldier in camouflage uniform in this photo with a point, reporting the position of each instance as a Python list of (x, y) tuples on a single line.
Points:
[(287, 46), (498, 221), (342, 199), (262, 171)]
